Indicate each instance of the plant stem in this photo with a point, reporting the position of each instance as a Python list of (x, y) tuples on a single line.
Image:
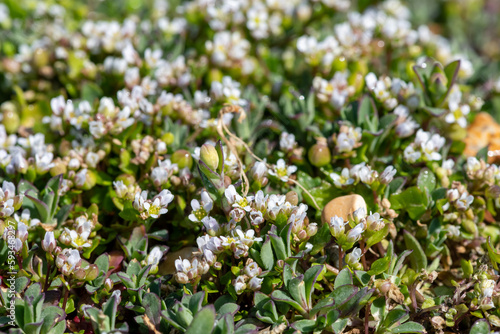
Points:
[(47, 278), (363, 259), (340, 258), (367, 318), (66, 294)]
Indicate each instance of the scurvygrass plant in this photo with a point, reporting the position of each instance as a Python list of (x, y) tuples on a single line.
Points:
[(248, 166)]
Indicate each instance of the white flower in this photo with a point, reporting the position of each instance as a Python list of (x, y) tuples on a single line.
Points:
[(355, 234), (344, 143), (473, 165), (201, 210), (337, 226), (154, 258), (282, 171), (464, 201), (68, 261), (457, 112), (287, 141), (410, 155), (259, 171), (252, 270), (239, 285), (81, 177), (155, 209), (406, 128), (140, 199), (7, 208), (211, 225), (255, 283), (359, 214), (22, 232), (49, 242), (342, 180), (120, 188), (388, 175), (374, 222), (236, 200), (92, 159), (44, 162), (25, 218), (247, 238), (354, 256)]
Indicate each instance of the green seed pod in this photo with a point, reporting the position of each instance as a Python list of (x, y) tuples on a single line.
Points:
[(292, 198), (59, 168), (209, 156), (92, 272), (41, 58), (168, 138), (182, 158), (10, 119), (319, 155), (127, 179), (339, 64), (90, 180)]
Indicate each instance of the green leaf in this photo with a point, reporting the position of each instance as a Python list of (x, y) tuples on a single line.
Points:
[(344, 277), (296, 288), (417, 257), (310, 277), (320, 239), (426, 180), (379, 266), (280, 296), (196, 301), (203, 321), (494, 256), (279, 247), (152, 306), (413, 200), (409, 327), (266, 254), (339, 325), (304, 325), (343, 294), (480, 327), (377, 237), (395, 317)]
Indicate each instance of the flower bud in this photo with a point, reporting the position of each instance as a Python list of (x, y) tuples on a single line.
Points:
[(10, 119), (41, 58), (292, 198), (312, 229), (92, 272), (388, 175), (319, 155), (74, 164), (209, 156), (79, 274), (302, 235), (182, 158), (49, 242), (493, 192), (59, 168), (181, 278), (168, 138), (108, 284)]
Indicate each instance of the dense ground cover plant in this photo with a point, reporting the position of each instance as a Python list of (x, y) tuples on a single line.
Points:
[(167, 167)]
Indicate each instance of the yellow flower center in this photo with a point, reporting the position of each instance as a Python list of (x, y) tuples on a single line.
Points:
[(154, 210), (200, 214)]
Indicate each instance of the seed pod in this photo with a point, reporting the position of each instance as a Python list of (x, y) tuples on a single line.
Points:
[(182, 158), (319, 155), (209, 156)]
